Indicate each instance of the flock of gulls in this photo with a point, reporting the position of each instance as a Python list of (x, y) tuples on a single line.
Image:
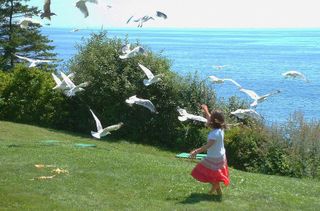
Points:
[(67, 86)]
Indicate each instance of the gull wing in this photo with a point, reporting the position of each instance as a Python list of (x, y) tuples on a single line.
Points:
[(146, 71), (56, 79), (182, 111), (129, 19), (234, 82), (161, 15), (69, 83), (81, 5), (198, 118), (24, 58), (98, 123), (250, 93)]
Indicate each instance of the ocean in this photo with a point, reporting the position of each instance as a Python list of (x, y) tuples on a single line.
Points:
[(255, 58)]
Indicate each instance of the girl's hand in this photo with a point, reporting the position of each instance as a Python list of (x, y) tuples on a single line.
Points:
[(204, 108), (193, 154)]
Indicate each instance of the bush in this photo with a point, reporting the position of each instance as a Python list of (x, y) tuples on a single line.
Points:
[(27, 97)]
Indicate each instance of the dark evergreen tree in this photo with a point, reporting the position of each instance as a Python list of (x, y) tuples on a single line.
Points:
[(27, 42)]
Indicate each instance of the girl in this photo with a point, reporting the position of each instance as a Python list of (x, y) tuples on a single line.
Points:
[(213, 169)]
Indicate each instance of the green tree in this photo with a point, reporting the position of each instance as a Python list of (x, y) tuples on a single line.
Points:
[(28, 42)]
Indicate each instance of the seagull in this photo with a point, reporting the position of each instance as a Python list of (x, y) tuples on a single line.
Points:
[(242, 113), (103, 131), (74, 30), (161, 15), (81, 4), (141, 20), (61, 84), (24, 23), (217, 80), (143, 102), (33, 62), (131, 53), (46, 10), (295, 74), (184, 115), (256, 98), (220, 67), (151, 78), (73, 89)]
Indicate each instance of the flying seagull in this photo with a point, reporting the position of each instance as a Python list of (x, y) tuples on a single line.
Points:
[(256, 98), (184, 115), (73, 89), (140, 20), (46, 10), (143, 102), (127, 53), (81, 4), (242, 113), (295, 74), (151, 78), (103, 131), (217, 80), (161, 15), (26, 22), (61, 84), (220, 67), (33, 62)]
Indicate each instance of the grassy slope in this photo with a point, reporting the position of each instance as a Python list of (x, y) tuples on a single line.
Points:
[(118, 175)]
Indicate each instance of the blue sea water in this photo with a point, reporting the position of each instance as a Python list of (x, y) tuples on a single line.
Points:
[(255, 58)]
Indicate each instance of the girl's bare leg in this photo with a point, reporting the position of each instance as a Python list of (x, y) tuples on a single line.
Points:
[(217, 188)]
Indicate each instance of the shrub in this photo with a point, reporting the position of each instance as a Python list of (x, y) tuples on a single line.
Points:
[(27, 97)]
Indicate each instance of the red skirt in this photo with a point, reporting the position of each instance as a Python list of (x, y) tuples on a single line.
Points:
[(212, 170)]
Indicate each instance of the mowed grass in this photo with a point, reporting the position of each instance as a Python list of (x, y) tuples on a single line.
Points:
[(117, 175)]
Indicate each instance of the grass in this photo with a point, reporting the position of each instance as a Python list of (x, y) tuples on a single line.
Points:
[(117, 175)]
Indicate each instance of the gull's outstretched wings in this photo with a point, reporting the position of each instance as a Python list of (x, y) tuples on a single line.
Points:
[(46, 10), (250, 93), (98, 123)]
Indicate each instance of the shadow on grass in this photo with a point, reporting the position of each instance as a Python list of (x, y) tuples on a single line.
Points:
[(198, 197)]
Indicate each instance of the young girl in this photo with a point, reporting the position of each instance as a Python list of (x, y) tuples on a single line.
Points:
[(213, 169)]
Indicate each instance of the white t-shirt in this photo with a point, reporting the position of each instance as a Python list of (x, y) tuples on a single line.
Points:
[(217, 149)]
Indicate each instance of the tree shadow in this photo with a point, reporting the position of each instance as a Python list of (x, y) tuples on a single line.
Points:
[(198, 197)]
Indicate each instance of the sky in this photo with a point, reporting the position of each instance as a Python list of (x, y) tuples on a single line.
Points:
[(189, 13)]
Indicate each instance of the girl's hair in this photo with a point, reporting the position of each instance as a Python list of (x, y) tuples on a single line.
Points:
[(217, 120)]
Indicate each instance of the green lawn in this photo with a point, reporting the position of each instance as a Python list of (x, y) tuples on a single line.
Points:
[(117, 175)]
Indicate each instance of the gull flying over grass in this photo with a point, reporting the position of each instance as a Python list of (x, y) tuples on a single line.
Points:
[(26, 22), (217, 80), (33, 62), (256, 98), (73, 89), (46, 10), (61, 84), (295, 74), (184, 115), (103, 131), (127, 53), (242, 113), (151, 78), (81, 5), (143, 102)]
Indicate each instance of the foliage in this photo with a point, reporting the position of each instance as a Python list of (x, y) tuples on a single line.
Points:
[(27, 96), (291, 149), (16, 40)]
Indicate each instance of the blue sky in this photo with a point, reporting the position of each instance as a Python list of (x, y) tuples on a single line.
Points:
[(190, 13)]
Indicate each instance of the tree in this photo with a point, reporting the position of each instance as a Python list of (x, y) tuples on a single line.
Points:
[(28, 42)]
